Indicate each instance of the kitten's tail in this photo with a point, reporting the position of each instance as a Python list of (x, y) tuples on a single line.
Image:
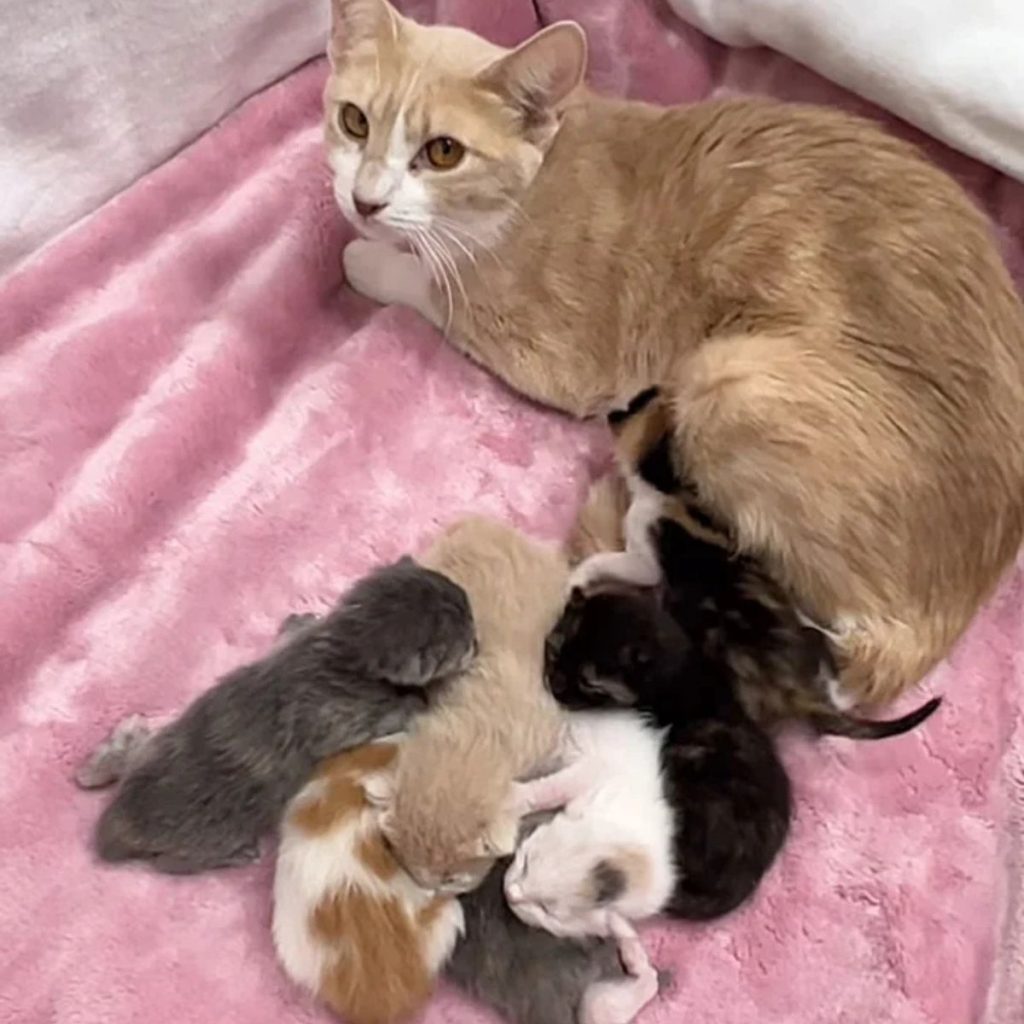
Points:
[(697, 905), (836, 723)]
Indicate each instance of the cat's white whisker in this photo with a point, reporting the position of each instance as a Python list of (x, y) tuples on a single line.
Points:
[(451, 263)]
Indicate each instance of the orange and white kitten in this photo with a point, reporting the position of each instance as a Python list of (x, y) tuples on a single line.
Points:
[(349, 924), (826, 313), (453, 807)]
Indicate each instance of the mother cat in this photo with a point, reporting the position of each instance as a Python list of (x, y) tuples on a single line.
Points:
[(841, 344)]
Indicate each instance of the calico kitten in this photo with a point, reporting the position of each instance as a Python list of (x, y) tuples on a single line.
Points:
[(349, 924), (452, 809), (827, 312), (734, 613), (201, 792), (532, 977), (684, 816)]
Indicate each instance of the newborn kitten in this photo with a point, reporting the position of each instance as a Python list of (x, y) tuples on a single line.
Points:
[(697, 838), (609, 855), (531, 977), (454, 811), (733, 611), (349, 924), (201, 792)]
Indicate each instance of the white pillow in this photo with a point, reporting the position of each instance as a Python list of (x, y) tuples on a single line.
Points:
[(94, 93), (954, 68)]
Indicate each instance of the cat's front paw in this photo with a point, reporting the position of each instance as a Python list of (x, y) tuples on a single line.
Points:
[(368, 265), (382, 273)]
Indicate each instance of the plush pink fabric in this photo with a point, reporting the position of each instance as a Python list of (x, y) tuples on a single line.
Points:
[(200, 432)]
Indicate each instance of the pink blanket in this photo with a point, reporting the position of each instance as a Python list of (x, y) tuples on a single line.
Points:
[(201, 431)]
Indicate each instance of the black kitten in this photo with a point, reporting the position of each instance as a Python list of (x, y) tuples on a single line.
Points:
[(730, 794), (200, 793)]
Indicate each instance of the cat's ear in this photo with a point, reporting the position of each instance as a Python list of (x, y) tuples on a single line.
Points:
[(540, 73), (359, 21)]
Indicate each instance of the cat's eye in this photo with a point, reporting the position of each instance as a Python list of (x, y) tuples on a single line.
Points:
[(353, 121), (444, 153)]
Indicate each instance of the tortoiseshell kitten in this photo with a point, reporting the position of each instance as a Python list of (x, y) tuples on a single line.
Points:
[(733, 612)]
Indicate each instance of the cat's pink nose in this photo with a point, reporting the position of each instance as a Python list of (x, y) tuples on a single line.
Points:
[(364, 208), (513, 892)]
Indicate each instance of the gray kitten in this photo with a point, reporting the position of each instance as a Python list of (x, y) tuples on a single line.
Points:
[(200, 793), (527, 975)]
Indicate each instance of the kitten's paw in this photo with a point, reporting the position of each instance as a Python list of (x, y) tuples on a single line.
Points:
[(112, 758), (435, 660), (295, 622), (618, 1002), (585, 574), (602, 566)]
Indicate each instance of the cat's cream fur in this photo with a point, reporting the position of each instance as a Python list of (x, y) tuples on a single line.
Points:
[(453, 808), (827, 313)]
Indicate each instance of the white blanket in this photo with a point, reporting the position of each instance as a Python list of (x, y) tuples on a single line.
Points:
[(954, 68), (94, 93)]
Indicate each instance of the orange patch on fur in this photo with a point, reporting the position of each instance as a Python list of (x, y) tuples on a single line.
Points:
[(376, 857), (341, 794), (378, 975)]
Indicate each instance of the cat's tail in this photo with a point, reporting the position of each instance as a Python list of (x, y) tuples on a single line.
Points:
[(836, 723)]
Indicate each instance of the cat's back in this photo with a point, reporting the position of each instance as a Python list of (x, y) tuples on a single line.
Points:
[(349, 925), (752, 204)]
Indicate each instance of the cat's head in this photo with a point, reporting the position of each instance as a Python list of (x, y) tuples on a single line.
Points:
[(566, 874), (434, 134), (613, 647)]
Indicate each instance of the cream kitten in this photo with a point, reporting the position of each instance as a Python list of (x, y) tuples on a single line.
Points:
[(608, 857), (453, 805), (349, 924)]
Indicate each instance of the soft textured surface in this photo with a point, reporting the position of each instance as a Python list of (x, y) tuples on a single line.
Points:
[(96, 94), (199, 433), (952, 68)]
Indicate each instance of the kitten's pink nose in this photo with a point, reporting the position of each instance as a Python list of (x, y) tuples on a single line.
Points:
[(364, 208), (513, 892)]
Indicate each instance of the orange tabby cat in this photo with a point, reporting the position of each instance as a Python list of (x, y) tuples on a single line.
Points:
[(841, 344)]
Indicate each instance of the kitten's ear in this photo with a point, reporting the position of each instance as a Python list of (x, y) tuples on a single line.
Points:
[(501, 837), (356, 21), (618, 693), (379, 790), (540, 73)]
